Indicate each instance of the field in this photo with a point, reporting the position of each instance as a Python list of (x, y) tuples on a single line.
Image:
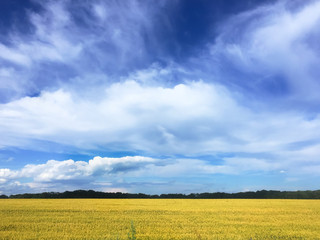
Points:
[(159, 219)]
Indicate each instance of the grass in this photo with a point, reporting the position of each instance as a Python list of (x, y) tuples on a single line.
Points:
[(159, 219)]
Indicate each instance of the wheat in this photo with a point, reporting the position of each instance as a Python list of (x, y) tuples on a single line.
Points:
[(159, 219)]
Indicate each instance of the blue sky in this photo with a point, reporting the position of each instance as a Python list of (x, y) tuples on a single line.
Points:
[(159, 96)]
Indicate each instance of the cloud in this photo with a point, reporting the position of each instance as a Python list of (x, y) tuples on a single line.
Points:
[(71, 42), (69, 174), (68, 40), (77, 170), (97, 77), (191, 119), (144, 174), (114, 173), (272, 50), (98, 173), (188, 119), (126, 113), (13, 55)]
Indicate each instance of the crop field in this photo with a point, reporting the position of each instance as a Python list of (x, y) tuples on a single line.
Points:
[(159, 219)]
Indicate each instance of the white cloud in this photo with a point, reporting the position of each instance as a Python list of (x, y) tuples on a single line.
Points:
[(77, 39), (127, 112), (70, 174), (138, 174), (275, 43), (190, 118), (50, 42), (6, 173), (54, 170), (13, 55), (114, 173)]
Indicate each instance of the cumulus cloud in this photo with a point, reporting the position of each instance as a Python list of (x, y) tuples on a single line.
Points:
[(142, 174), (117, 173), (76, 170), (54, 174), (190, 118), (127, 113)]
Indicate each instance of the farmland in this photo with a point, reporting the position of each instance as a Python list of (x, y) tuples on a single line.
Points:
[(159, 219)]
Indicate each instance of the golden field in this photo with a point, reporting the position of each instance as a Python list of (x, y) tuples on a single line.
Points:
[(159, 219)]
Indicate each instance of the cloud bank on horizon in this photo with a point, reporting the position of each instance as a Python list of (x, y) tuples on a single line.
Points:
[(159, 96)]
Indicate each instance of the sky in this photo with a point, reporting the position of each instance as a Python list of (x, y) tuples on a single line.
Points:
[(170, 96)]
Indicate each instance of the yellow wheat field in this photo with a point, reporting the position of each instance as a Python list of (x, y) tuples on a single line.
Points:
[(159, 219)]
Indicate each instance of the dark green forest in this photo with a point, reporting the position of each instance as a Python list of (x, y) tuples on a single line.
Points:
[(263, 194)]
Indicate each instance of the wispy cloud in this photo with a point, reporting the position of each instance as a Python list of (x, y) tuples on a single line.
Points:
[(72, 39), (273, 50)]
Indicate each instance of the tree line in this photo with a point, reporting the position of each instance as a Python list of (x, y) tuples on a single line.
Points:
[(263, 194)]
